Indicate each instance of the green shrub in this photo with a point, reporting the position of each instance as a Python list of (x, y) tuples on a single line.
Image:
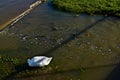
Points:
[(105, 7)]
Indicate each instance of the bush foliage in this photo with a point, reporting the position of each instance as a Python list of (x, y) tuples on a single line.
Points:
[(106, 7)]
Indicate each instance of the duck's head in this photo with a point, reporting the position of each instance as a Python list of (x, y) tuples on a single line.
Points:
[(28, 60)]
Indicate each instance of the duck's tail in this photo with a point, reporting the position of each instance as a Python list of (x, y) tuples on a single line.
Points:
[(50, 58)]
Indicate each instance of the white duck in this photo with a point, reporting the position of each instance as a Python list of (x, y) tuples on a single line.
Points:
[(39, 61)]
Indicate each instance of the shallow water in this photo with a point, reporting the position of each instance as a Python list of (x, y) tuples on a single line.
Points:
[(74, 41)]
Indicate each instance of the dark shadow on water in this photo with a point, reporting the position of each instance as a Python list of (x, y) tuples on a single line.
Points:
[(19, 68), (115, 74), (73, 36), (24, 66)]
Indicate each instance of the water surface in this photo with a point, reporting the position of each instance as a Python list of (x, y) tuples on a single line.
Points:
[(74, 41), (12, 8)]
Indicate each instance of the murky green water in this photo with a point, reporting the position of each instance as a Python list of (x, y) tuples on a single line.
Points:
[(88, 42)]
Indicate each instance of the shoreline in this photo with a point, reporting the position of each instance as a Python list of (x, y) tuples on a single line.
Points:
[(14, 20)]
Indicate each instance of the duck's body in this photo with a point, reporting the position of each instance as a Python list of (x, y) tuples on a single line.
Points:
[(39, 61)]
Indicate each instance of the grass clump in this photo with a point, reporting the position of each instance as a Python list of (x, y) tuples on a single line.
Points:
[(105, 7), (7, 64)]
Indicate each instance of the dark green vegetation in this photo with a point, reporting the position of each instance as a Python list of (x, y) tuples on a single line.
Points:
[(105, 7), (6, 65)]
